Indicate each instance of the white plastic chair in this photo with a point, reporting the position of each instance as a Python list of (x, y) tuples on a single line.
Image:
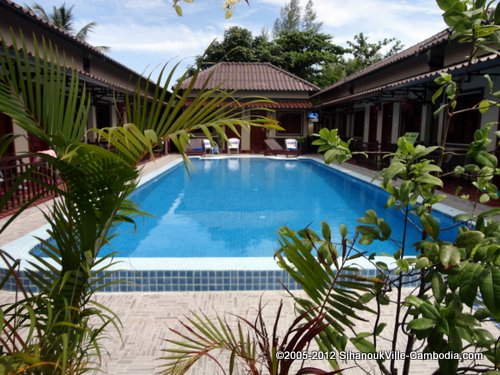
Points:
[(291, 144), (207, 146), (233, 144)]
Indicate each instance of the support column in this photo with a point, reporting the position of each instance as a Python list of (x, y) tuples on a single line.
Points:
[(380, 118), (396, 107), (366, 125)]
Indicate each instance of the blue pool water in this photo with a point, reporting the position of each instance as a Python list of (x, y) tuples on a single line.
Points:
[(234, 207)]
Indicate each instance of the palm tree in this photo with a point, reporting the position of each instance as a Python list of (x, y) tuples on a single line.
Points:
[(63, 18)]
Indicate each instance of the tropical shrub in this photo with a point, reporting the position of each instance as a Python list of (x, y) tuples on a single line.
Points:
[(458, 287), (60, 326)]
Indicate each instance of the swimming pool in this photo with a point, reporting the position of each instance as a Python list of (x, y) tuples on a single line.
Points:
[(233, 207), (169, 252)]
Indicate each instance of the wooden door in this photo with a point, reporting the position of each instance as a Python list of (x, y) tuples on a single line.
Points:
[(257, 135)]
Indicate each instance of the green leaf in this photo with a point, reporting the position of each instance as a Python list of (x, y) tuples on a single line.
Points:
[(471, 274), (449, 256), (437, 94), (325, 229), (438, 287), (421, 324), (380, 328), (469, 239), (429, 180), (445, 4), (382, 266), (486, 159), (178, 10), (363, 345), (343, 230), (430, 225), (478, 4), (483, 106), (403, 264), (422, 262), (489, 285), (484, 198)]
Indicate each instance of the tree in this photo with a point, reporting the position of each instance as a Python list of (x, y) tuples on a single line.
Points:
[(363, 54), (366, 54), (63, 18), (457, 282), (309, 22), (289, 18), (238, 45), (305, 53)]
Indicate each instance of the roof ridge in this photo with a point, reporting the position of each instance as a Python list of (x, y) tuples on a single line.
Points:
[(66, 34), (406, 53)]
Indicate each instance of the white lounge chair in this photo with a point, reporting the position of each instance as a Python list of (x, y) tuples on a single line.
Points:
[(233, 144), (207, 146), (291, 144)]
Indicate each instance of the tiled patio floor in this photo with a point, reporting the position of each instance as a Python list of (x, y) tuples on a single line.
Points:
[(148, 317)]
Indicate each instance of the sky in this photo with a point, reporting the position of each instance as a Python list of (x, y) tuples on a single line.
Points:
[(146, 34)]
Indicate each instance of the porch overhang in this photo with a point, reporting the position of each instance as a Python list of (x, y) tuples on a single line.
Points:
[(416, 84)]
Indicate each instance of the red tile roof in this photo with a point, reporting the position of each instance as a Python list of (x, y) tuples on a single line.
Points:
[(420, 78), (250, 77)]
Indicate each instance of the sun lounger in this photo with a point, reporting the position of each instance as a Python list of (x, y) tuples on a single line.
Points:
[(274, 148), (195, 147)]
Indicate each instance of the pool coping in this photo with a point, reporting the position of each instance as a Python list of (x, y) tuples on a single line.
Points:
[(20, 248)]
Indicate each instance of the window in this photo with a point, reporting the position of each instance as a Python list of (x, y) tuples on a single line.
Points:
[(291, 122), (463, 125)]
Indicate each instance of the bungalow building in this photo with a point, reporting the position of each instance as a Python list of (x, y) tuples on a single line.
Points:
[(289, 93), (106, 79), (377, 105)]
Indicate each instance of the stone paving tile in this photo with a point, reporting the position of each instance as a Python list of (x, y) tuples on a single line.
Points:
[(148, 317)]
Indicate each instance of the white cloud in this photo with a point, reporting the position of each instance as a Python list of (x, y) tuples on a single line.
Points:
[(408, 21), (154, 39)]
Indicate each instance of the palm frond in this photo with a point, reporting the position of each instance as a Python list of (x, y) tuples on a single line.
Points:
[(85, 30), (177, 114), (334, 288)]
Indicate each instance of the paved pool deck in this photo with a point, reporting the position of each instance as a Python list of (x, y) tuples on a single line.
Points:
[(148, 318)]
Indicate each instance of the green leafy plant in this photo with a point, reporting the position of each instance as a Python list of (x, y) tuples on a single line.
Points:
[(47, 99), (250, 345), (457, 282)]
